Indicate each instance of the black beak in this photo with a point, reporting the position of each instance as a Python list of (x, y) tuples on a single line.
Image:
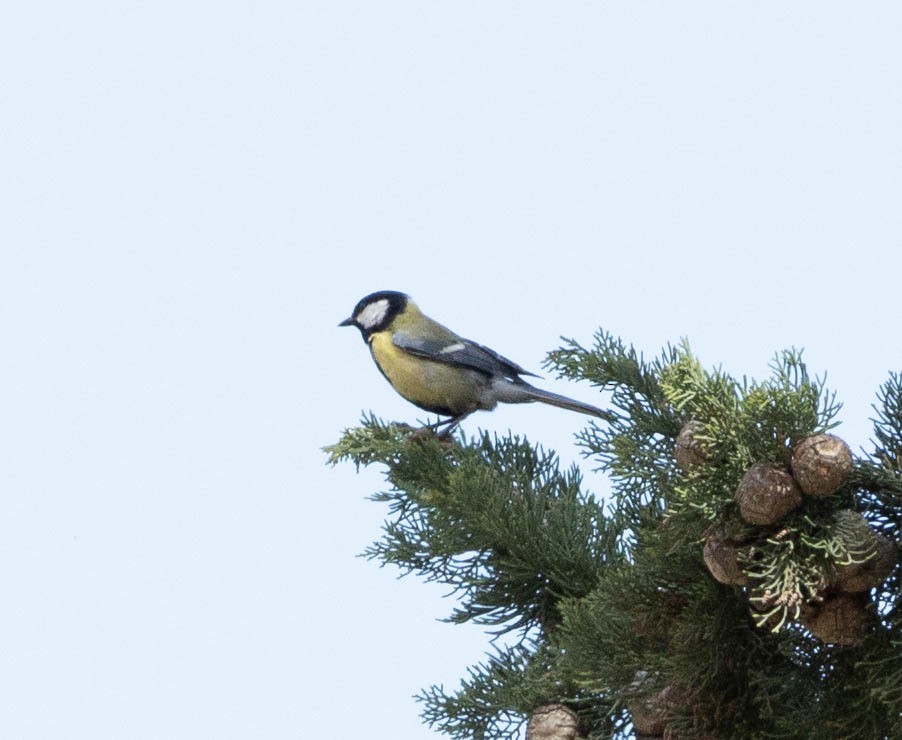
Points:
[(347, 322)]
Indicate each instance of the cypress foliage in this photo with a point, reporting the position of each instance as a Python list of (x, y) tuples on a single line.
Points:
[(741, 582)]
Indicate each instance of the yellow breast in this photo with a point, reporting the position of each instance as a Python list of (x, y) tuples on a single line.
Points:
[(433, 386)]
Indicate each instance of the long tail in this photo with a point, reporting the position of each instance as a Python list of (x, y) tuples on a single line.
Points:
[(523, 392)]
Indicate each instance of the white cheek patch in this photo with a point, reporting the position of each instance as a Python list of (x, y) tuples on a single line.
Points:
[(453, 348), (373, 314)]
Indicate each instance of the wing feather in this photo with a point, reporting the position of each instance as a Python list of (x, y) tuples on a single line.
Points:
[(460, 353)]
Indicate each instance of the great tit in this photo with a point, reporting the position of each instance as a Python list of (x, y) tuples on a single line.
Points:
[(433, 368)]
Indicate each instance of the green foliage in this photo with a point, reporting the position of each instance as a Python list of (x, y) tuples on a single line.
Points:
[(493, 701), (611, 609), (888, 425), (495, 519), (635, 449), (499, 693)]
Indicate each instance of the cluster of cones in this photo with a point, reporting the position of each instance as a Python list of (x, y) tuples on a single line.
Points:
[(837, 612)]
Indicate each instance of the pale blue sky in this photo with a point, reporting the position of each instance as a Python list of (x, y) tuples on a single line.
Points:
[(194, 194)]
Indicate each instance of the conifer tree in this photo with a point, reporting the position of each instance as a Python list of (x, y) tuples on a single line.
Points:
[(741, 582)]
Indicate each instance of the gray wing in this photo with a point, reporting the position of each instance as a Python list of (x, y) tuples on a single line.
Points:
[(461, 353)]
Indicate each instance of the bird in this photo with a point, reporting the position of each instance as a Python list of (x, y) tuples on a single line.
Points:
[(439, 371)]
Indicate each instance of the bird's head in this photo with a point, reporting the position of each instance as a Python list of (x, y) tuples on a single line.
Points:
[(376, 311)]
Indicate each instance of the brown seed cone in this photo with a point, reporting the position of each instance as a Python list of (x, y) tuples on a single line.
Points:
[(721, 558), (876, 554), (766, 494), (650, 713), (865, 576), (553, 722), (840, 620), (690, 452), (821, 464)]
